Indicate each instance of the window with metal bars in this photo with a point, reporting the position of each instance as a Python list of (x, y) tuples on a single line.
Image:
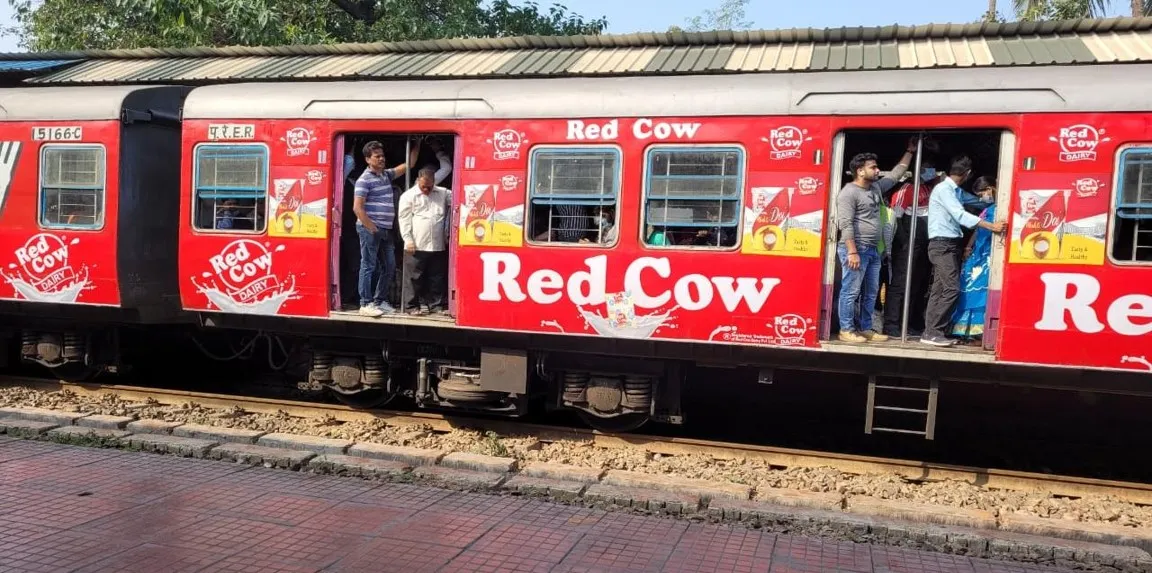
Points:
[(693, 197), (1132, 229), (230, 187), (72, 186), (572, 195)]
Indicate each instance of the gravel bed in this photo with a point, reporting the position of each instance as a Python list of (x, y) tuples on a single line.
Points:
[(1092, 509)]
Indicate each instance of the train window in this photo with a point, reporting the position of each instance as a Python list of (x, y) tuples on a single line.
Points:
[(573, 195), (231, 188), (72, 186), (693, 197), (1132, 230)]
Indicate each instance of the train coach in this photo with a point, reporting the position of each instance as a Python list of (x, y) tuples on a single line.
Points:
[(720, 190), (87, 228)]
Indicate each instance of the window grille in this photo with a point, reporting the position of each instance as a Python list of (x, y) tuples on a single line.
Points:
[(231, 188), (694, 196), (569, 189), (72, 183), (1132, 230)]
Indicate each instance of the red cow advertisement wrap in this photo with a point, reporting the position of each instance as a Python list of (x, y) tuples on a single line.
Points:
[(53, 260), (1060, 290)]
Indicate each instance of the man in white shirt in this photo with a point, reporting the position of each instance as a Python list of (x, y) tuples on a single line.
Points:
[(424, 213)]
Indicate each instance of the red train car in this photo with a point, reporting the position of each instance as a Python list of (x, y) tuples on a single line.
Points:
[(87, 220), (738, 172)]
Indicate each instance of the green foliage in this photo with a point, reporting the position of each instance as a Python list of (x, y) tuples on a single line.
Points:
[(1036, 10), (115, 24), (729, 15)]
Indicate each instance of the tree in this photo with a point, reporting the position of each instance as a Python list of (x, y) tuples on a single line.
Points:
[(115, 24), (1031, 10), (729, 15)]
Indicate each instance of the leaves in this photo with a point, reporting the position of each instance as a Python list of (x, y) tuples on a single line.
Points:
[(729, 15), (44, 25)]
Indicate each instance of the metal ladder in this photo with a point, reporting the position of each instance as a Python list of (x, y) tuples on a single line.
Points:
[(929, 412)]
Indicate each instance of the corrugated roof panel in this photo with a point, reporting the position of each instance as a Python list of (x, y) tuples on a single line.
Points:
[(488, 64), (1039, 50), (837, 56), (32, 65), (166, 69), (1018, 51), (409, 65), (1000, 54), (637, 60), (336, 67), (798, 57), (889, 55), (449, 66), (943, 51), (275, 68), (691, 58), (521, 61), (853, 56), (907, 54), (220, 68), (738, 58), (593, 60), (821, 56), (1127, 46), (657, 62), (614, 61), (981, 52), (925, 56), (113, 71), (561, 62)]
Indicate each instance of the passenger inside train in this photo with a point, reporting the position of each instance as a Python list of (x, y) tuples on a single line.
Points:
[(904, 273), (385, 291)]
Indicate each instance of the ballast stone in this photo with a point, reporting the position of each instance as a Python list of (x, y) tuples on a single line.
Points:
[(252, 454), (697, 487), (563, 472), (150, 426), (477, 462), (310, 443), (163, 443), (41, 415), (218, 433), (411, 456), (103, 422)]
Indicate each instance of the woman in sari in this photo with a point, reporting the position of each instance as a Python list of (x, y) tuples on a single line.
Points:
[(968, 319)]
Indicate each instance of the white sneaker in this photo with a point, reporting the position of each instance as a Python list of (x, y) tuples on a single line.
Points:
[(370, 311), (385, 308)]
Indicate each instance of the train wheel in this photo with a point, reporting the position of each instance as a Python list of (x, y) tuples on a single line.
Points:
[(365, 399), (74, 372), (617, 425)]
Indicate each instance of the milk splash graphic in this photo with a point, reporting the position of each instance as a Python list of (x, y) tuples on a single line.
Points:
[(42, 272), (1142, 361), (622, 320), (242, 280)]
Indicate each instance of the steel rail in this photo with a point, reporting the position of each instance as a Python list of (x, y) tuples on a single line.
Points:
[(1069, 486)]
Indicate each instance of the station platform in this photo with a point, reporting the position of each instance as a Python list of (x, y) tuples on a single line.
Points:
[(69, 508)]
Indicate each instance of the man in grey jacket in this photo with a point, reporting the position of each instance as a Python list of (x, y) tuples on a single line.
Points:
[(858, 219)]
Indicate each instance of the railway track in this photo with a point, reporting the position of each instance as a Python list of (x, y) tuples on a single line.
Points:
[(1067, 486)]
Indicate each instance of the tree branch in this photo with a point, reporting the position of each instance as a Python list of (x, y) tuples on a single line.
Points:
[(359, 9)]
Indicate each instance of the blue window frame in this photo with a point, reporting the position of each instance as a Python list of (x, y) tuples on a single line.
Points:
[(72, 186), (693, 196), (1132, 228), (569, 188), (230, 188)]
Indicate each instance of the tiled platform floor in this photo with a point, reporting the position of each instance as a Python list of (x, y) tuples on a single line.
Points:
[(79, 509)]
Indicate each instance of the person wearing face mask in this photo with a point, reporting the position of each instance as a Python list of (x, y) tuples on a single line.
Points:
[(968, 320), (606, 227), (903, 211), (946, 221)]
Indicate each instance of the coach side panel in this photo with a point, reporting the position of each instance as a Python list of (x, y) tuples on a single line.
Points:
[(58, 210)]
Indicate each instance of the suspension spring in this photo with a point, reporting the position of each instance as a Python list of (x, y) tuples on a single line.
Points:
[(321, 366), (28, 341), (637, 392), (374, 373), (575, 386), (74, 346)]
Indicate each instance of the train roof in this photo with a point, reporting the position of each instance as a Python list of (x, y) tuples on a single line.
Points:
[(1043, 89), (934, 46), (65, 103)]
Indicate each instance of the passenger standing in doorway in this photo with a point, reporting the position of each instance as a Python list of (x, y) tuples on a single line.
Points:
[(424, 211), (946, 217), (861, 235), (968, 320), (375, 216), (921, 270)]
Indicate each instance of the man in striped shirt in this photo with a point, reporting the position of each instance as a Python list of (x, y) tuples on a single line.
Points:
[(375, 215)]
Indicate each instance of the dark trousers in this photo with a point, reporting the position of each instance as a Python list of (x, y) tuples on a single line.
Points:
[(945, 257), (426, 280), (921, 272)]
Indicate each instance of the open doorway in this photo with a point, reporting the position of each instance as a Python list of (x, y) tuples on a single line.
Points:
[(423, 290), (905, 270)]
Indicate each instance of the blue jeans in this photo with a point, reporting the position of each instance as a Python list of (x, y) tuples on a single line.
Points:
[(858, 289), (371, 247)]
